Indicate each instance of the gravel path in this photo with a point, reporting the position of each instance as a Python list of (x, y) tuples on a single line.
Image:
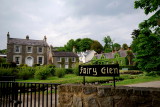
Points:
[(155, 84)]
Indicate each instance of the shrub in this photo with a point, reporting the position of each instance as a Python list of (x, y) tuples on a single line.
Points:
[(76, 70), (42, 72), (25, 72), (52, 69), (69, 71), (153, 73), (6, 71), (60, 72)]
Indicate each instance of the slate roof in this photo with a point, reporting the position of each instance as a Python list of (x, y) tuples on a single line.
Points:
[(29, 42), (64, 54), (110, 55)]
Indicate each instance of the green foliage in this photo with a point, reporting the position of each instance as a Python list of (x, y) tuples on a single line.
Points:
[(51, 68), (76, 69), (147, 5), (6, 71), (124, 46), (42, 72), (69, 45), (116, 46), (25, 72), (108, 47), (148, 40), (85, 44), (60, 72), (69, 71), (96, 46), (153, 73)]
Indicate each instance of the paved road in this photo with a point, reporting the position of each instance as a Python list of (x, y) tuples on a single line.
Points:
[(155, 84)]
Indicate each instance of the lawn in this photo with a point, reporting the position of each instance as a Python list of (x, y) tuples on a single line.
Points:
[(71, 78)]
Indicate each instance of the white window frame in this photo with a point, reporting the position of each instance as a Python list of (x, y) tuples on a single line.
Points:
[(73, 59), (20, 59), (59, 59), (15, 46), (27, 49), (42, 59), (66, 59), (66, 66), (38, 50)]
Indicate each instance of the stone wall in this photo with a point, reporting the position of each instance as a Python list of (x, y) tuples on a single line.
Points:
[(105, 96)]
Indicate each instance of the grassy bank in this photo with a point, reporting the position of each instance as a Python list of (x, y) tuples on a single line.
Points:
[(71, 78)]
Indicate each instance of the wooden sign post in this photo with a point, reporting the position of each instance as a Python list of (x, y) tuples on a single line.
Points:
[(99, 71)]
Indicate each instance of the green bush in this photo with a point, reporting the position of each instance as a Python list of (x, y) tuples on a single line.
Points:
[(42, 72), (76, 69), (153, 73), (60, 72), (69, 71), (25, 72), (6, 71), (52, 69)]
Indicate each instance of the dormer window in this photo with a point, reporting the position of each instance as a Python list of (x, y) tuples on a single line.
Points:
[(17, 49), (39, 49), (29, 49)]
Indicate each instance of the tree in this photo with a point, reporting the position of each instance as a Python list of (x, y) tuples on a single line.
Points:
[(116, 46), (69, 45), (124, 46), (108, 47), (135, 41), (148, 40), (96, 46), (85, 44)]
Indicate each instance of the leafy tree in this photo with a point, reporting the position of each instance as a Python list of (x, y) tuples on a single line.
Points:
[(85, 44), (116, 46), (135, 41), (108, 47), (148, 40), (77, 44), (4, 51), (125, 46), (96, 46), (69, 45)]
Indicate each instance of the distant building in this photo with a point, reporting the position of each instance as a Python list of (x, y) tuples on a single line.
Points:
[(27, 51), (86, 56), (120, 57), (64, 59)]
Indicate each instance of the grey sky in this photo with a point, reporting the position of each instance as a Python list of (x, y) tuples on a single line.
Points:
[(62, 20)]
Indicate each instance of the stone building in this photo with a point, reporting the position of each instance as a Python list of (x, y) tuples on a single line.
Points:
[(27, 51), (64, 59)]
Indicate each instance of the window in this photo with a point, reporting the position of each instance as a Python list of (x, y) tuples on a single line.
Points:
[(17, 49), (66, 66), (66, 59), (40, 60), (17, 59), (39, 49), (73, 59), (58, 59), (29, 49)]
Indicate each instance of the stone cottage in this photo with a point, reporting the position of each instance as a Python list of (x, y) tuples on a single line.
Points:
[(27, 51), (64, 59)]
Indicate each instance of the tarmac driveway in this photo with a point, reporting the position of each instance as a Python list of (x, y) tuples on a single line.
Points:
[(155, 84)]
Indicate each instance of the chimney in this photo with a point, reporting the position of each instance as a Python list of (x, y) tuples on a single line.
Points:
[(45, 39), (74, 49), (8, 36), (27, 37)]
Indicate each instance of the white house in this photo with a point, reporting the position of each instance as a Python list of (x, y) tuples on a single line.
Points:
[(86, 56)]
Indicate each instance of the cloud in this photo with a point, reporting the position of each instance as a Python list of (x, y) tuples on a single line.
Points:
[(62, 20)]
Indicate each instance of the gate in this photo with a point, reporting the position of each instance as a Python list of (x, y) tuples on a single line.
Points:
[(23, 94)]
